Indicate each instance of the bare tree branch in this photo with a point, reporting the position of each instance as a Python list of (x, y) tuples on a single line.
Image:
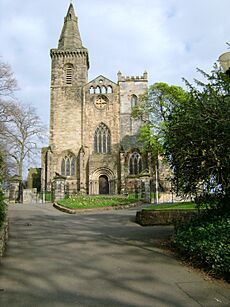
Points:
[(8, 84), (21, 131)]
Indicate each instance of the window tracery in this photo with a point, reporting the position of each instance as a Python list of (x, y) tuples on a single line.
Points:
[(135, 164), (68, 166), (102, 139)]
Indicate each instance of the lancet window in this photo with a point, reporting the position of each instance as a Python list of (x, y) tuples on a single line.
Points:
[(102, 139), (133, 101), (135, 164)]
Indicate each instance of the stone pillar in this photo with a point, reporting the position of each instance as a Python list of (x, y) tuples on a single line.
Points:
[(122, 164), (82, 171), (14, 188), (46, 169), (59, 187), (145, 186)]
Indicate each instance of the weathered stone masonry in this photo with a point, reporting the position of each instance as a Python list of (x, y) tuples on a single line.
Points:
[(93, 138)]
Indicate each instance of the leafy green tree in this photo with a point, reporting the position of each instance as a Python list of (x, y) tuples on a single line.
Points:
[(154, 108), (197, 139), (192, 130)]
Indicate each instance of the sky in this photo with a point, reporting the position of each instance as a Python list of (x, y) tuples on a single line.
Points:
[(167, 38)]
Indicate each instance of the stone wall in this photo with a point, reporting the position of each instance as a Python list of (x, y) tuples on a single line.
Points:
[(166, 217), (78, 108), (128, 87)]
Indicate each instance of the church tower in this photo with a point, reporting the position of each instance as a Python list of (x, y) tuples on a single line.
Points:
[(69, 73), (93, 145)]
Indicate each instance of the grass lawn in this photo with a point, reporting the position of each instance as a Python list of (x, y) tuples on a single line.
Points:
[(174, 206), (96, 201)]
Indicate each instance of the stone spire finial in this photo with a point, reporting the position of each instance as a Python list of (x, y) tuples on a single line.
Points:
[(70, 36)]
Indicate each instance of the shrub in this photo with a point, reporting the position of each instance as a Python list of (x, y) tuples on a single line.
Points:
[(2, 211), (206, 242)]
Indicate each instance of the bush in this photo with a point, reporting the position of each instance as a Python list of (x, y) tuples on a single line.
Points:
[(206, 242), (2, 211)]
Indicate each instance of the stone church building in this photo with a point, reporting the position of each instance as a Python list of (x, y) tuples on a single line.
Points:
[(93, 143)]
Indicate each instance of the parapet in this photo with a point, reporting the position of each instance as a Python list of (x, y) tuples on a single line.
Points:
[(142, 78)]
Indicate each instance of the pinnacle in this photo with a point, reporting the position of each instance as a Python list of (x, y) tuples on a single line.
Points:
[(70, 36)]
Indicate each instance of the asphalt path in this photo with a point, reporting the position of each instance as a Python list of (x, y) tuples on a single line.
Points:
[(96, 259)]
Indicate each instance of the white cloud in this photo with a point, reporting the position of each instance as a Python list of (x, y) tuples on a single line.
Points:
[(168, 38)]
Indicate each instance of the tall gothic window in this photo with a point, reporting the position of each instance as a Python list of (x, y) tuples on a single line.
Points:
[(68, 166), (135, 164), (133, 101), (69, 74), (102, 139)]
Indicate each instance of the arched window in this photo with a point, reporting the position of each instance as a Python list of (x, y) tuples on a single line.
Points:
[(103, 90), (109, 89), (68, 74), (135, 164), (98, 90), (68, 166), (73, 166), (133, 101), (102, 139), (63, 167), (91, 90)]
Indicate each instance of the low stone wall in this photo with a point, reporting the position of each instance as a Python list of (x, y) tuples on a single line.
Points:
[(118, 207), (4, 234), (166, 217), (63, 209)]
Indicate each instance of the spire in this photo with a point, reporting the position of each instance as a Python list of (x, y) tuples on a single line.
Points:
[(70, 36)]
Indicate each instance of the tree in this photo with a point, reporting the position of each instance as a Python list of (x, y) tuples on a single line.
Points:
[(8, 86), (2, 204), (23, 131), (154, 107), (8, 83), (197, 140), (193, 130)]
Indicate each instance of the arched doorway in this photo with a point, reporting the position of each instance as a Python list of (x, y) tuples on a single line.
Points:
[(103, 185), (102, 181)]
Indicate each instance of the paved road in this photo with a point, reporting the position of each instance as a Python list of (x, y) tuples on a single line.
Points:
[(95, 259)]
